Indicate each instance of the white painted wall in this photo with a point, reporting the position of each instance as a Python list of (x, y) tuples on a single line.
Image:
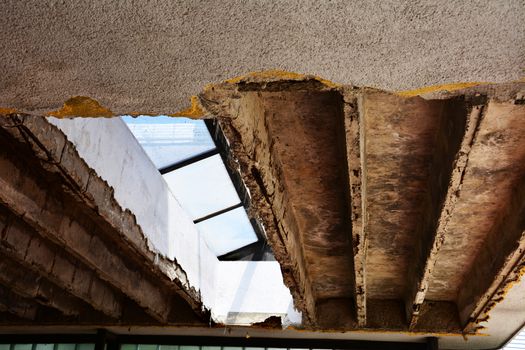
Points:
[(248, 291), (235, 292), (108, 146)]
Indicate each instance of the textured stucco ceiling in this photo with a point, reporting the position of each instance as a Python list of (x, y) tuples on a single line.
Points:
[(151, 57)]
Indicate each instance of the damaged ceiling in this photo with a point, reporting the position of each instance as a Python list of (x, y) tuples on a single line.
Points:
[(386, 211)]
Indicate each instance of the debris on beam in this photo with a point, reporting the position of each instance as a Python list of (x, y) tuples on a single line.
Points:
[(356, 158)]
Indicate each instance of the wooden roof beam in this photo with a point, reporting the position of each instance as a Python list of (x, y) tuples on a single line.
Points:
[(457, 132), (501, 258)]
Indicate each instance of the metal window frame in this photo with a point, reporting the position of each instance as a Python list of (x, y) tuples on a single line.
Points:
[(188, 161), (110, 341), (257, 251)]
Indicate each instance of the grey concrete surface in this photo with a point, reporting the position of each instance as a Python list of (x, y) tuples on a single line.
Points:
[(150, 56)]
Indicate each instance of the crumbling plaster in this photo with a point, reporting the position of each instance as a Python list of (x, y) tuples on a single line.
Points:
[(151, 57)]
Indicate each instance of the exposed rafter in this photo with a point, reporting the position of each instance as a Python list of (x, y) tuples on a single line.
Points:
[(21, 244), (453, 143), (501, 257), (90, 249)]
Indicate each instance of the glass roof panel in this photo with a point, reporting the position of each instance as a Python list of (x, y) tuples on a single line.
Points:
[(168, 140), (227, 232), (203, 188)]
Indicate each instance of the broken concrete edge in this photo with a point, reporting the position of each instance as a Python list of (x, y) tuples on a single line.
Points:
[(500, 92), (273, 75), (52, 147), (260, 207), (85, 106), (260, 203)]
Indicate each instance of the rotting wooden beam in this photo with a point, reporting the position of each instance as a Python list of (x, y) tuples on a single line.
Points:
[(245, 125), (500, 260), (356, 158), (477, 308), (453, 143)]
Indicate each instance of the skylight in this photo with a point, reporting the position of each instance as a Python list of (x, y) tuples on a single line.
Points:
[(203, 188), (228, 232), (191, 163), (168, 140)]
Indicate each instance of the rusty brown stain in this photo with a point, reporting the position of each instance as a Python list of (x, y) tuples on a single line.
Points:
[(194, 111), (6, 111)]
